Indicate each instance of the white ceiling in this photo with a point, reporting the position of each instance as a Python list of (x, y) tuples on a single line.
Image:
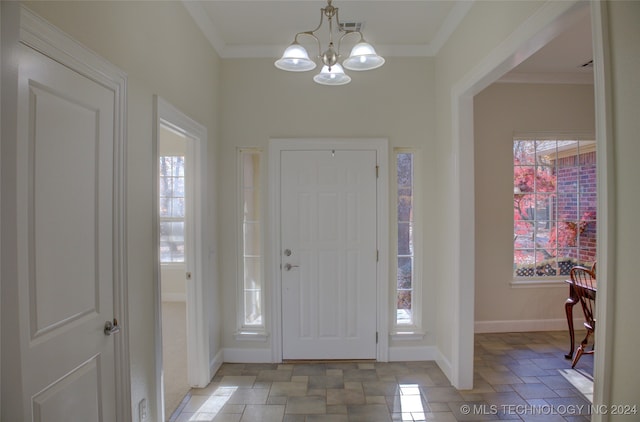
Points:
[(418, 28)]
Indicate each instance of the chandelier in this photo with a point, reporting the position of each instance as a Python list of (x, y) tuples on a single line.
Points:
[(363, 56)]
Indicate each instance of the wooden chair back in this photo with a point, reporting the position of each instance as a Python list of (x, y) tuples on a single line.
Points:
[(584, 283)]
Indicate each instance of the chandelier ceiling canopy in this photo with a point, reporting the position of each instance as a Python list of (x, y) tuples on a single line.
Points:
[(363, 56)]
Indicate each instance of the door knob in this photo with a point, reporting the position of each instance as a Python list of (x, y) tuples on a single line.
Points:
[(111, 327), (287, 266)]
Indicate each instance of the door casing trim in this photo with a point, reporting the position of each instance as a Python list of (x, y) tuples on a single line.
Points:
[(272, 257), (198, 368)]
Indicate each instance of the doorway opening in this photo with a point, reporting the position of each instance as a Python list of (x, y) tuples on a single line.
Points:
[(182, 344), (529, 39), (172, 150)]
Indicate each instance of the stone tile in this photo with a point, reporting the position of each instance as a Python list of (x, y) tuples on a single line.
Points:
[(555, 382), (379, 388), (238, 381), (225, 417), (323, 381), (209, 404), (276, 399), (307, 405), (309, 369), (317, 392), (249, 396), (360, 375), (494, 377), (511, 369), (256, 368), (263, 413), (327, 418), (274, 375), (342, 396), (440, 417), (335, 372), (375, 400), (441, 394), (368, 413), (534, 391), (232, 408), (407, 404), (337, 409), (288, 389), (367, 365), (506, 398), (422, 379)]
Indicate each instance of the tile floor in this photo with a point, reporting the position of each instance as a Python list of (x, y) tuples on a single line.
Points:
[(518, 376)]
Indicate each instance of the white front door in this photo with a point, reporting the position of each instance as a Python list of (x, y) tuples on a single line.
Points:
[(65, 237), (328, 238)]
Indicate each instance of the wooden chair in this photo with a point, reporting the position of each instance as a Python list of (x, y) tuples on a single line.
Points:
[(584, 283)]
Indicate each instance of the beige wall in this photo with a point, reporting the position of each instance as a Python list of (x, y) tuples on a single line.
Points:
[(500, 111), (262, 102), (486, 25), (163, 53)]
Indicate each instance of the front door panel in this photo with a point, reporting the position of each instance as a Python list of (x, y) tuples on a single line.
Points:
[(328, 221)]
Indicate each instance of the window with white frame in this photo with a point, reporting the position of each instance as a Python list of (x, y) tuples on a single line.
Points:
[(172, 208), (407, 288), (251, 279), (554, 205)]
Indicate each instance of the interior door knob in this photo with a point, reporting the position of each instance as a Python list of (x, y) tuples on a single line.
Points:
[(111, 327)]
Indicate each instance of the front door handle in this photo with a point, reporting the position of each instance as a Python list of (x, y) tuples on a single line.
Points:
[(111, 327), (287, 266)]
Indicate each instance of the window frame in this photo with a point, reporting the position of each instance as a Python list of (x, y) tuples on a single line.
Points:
[(556, 280), (256, 332), (413, 330), (172, 219)]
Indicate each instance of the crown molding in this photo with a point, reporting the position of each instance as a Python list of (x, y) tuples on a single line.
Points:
[(204, 22)]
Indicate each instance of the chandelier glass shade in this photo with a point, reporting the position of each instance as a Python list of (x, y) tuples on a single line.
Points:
[(363, 56)]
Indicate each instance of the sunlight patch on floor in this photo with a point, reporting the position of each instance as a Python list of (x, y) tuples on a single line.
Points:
[(581, 380)]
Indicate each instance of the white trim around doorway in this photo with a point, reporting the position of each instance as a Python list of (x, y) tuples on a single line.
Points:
[(539, 29), (199, 371), (276, 146)]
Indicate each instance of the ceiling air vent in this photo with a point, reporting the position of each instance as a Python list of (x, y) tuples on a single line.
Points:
[(351, 26)]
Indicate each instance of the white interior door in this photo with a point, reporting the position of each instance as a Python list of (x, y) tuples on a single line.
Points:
[(65, 206), (328, 237)]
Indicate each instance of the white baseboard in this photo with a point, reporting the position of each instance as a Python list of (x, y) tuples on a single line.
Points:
[(247, 355), (216, 363), (412, 353), (525, 325), (445, 366)]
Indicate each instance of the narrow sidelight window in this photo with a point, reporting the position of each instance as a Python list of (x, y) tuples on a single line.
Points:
[(251, 274), (407, 274)]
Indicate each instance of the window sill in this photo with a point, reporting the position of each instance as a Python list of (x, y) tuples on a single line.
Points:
[(550, 282), (407, 336), (261, 336)]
